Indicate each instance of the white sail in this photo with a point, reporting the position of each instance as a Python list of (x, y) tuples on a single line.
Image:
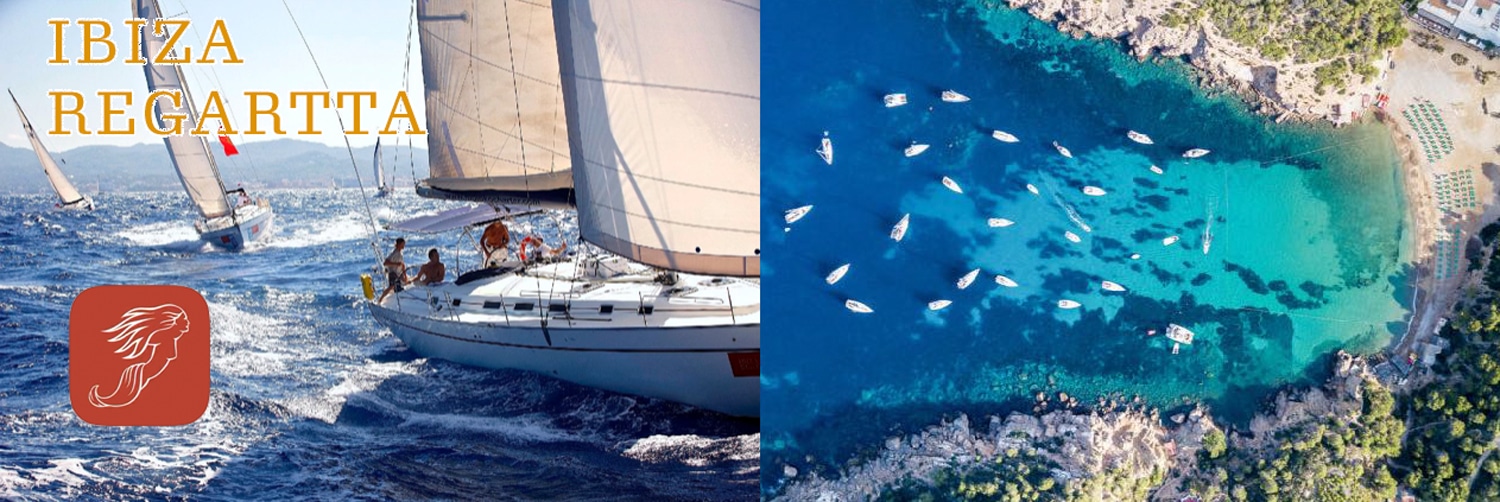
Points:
[(379, 167), (663, 105), (60, 184), (496, 129), (190, 155)]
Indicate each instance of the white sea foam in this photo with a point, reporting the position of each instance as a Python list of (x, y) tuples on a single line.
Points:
[(694, 450), (160, 234), (346, 227)]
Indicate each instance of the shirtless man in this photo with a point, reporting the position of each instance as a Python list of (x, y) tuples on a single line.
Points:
[(431, 272)]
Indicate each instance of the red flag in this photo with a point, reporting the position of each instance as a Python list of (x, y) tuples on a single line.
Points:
[(229, 148)]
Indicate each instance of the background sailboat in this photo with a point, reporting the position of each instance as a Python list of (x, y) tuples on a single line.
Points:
[(68, 195), (382, 188), (646, 115), (228, 218)]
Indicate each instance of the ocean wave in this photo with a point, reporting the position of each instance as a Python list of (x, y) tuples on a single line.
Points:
[(694, 450)]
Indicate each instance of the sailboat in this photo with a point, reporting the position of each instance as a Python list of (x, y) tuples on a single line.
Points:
[(1208, 232), (837, 274), (1005, 281), (1139, 138), (951, 96), (967, 279), (664, 300), (68, 195), (857, 307), (229, 219), (952, 185), (999, 223), (1062, 149), (915, 149), (1004, 137), (1094, 191), (1194, 153), (895, 100), (898, 232), (796, 213), (936, 305), (382, 189), (825, 149)]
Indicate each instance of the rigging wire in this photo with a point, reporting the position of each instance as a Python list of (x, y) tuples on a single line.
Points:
[(219, 84), (374, 226), (411, 21)]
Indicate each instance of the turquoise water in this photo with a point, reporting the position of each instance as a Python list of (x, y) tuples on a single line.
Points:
[(1309, 253)]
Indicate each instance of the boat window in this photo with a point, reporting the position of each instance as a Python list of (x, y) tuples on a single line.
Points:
[(457, 302), (606, 309), (557, 307), (493, 305), (647, 309), (525, 306)]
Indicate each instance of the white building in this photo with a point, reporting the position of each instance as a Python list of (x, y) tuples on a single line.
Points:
[(1474, 19)]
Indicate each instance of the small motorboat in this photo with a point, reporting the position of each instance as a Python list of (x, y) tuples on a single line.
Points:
[(1000, 223), (1139, 138), (856, 306), (1068, 304), (1169, 241), (1004, 136), (1179, 334), (1112, 286), (1156, 170), (1094, 191), (794, 214), (967, 279), (825, 150), (952, 185), (1194, 153), (1062, 150), (837, 274), (895, 100), (939, 305), (915, 149), (1135, 256), (1072, 237), (1005, 281), (899, 231), (1032, 188), (951, 96)]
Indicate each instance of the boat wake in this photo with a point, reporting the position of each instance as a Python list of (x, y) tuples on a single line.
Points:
[(176, 235)]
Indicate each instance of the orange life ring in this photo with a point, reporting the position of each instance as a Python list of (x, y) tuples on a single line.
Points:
[(530, 239)]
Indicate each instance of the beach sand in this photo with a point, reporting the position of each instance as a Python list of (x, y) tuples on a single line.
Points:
[(1423, 74)]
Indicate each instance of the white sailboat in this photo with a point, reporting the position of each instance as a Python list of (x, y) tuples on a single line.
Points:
[(382, 188), (857, 307), (1005, 281), (825, 149), (898, 232), (1032, 188), (1208, 232), (1062, 149), (1139, 138), (1156, 170), (68, 196), (895, 100), (1194, 153), (967, 279), (1004, 136), (915, 149), (1074, 238), (837, 274), (229, 219), (937, 305), (1094, 191), (1000, 223), (952, 185), (1068, 304), (951, 96), (1170, 240), (1112, 286), (794, 214), (666, 182)]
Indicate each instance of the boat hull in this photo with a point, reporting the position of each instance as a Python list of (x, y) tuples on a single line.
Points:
[(83, 204), (236, 237), (711, 367)]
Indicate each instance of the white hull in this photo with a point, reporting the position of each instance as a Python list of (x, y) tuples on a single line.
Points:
[(1032, 188), (1004, 136), (1062, 150), (915, 149), (1000, 223), (1072, 237), (952, 185), (1156, 170), (1094, 191), (837, 274), (794, 214), (1005, 281), (954, 97), (1068, 304), (84, 204), (253, 222), (939, 305), (825, 150), (894, 100), (1139, 138), (857, 307), (898, 232), (688, 348), (1194, 153), (967, 279), (1169, 241)]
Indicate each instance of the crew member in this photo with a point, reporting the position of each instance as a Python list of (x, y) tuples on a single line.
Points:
[(495, 244)]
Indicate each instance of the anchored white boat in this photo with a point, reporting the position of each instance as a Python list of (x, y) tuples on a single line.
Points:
[(1000, 223), (229, 219), (1208, 236), (898, 232), (1032, 188), (1005, 281), (951, 96), (1004, 136), (1156, 170), (794, 214), (856, 306), (1135, 256), (1139, 138), (1169, 240), (825, 149), (938, 305), (1072, 236), (895, 100), (1179, 334), (382, 189), (915, 149), (1112, 286), (967, 279), (837, 274), (1194, 153), (1068, 304), (68, 196), (1062, 149), (952, 185), (668, 305), (1094, 191)]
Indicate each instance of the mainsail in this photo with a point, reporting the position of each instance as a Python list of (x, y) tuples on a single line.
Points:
[(663, 101), (379, 168), (190, 154), (496, 130), (60, 183)]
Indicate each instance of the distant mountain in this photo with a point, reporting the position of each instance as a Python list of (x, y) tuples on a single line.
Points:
[(275, 164)]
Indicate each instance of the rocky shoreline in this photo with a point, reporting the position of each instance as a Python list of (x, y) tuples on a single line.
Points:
[(1128, 444)]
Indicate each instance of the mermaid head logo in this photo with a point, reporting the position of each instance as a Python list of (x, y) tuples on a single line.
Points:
[(143, 332), (138, 355)]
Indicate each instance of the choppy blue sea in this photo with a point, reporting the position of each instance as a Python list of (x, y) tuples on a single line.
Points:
[(1310, 249), (310, 398)]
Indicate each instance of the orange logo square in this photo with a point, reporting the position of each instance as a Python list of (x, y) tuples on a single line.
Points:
[(138, 355)]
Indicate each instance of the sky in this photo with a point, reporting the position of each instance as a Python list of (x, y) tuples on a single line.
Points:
[(359, 44)]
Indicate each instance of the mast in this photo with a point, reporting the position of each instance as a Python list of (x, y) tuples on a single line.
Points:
[(663, 108), (191, 156), (60, 184)]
